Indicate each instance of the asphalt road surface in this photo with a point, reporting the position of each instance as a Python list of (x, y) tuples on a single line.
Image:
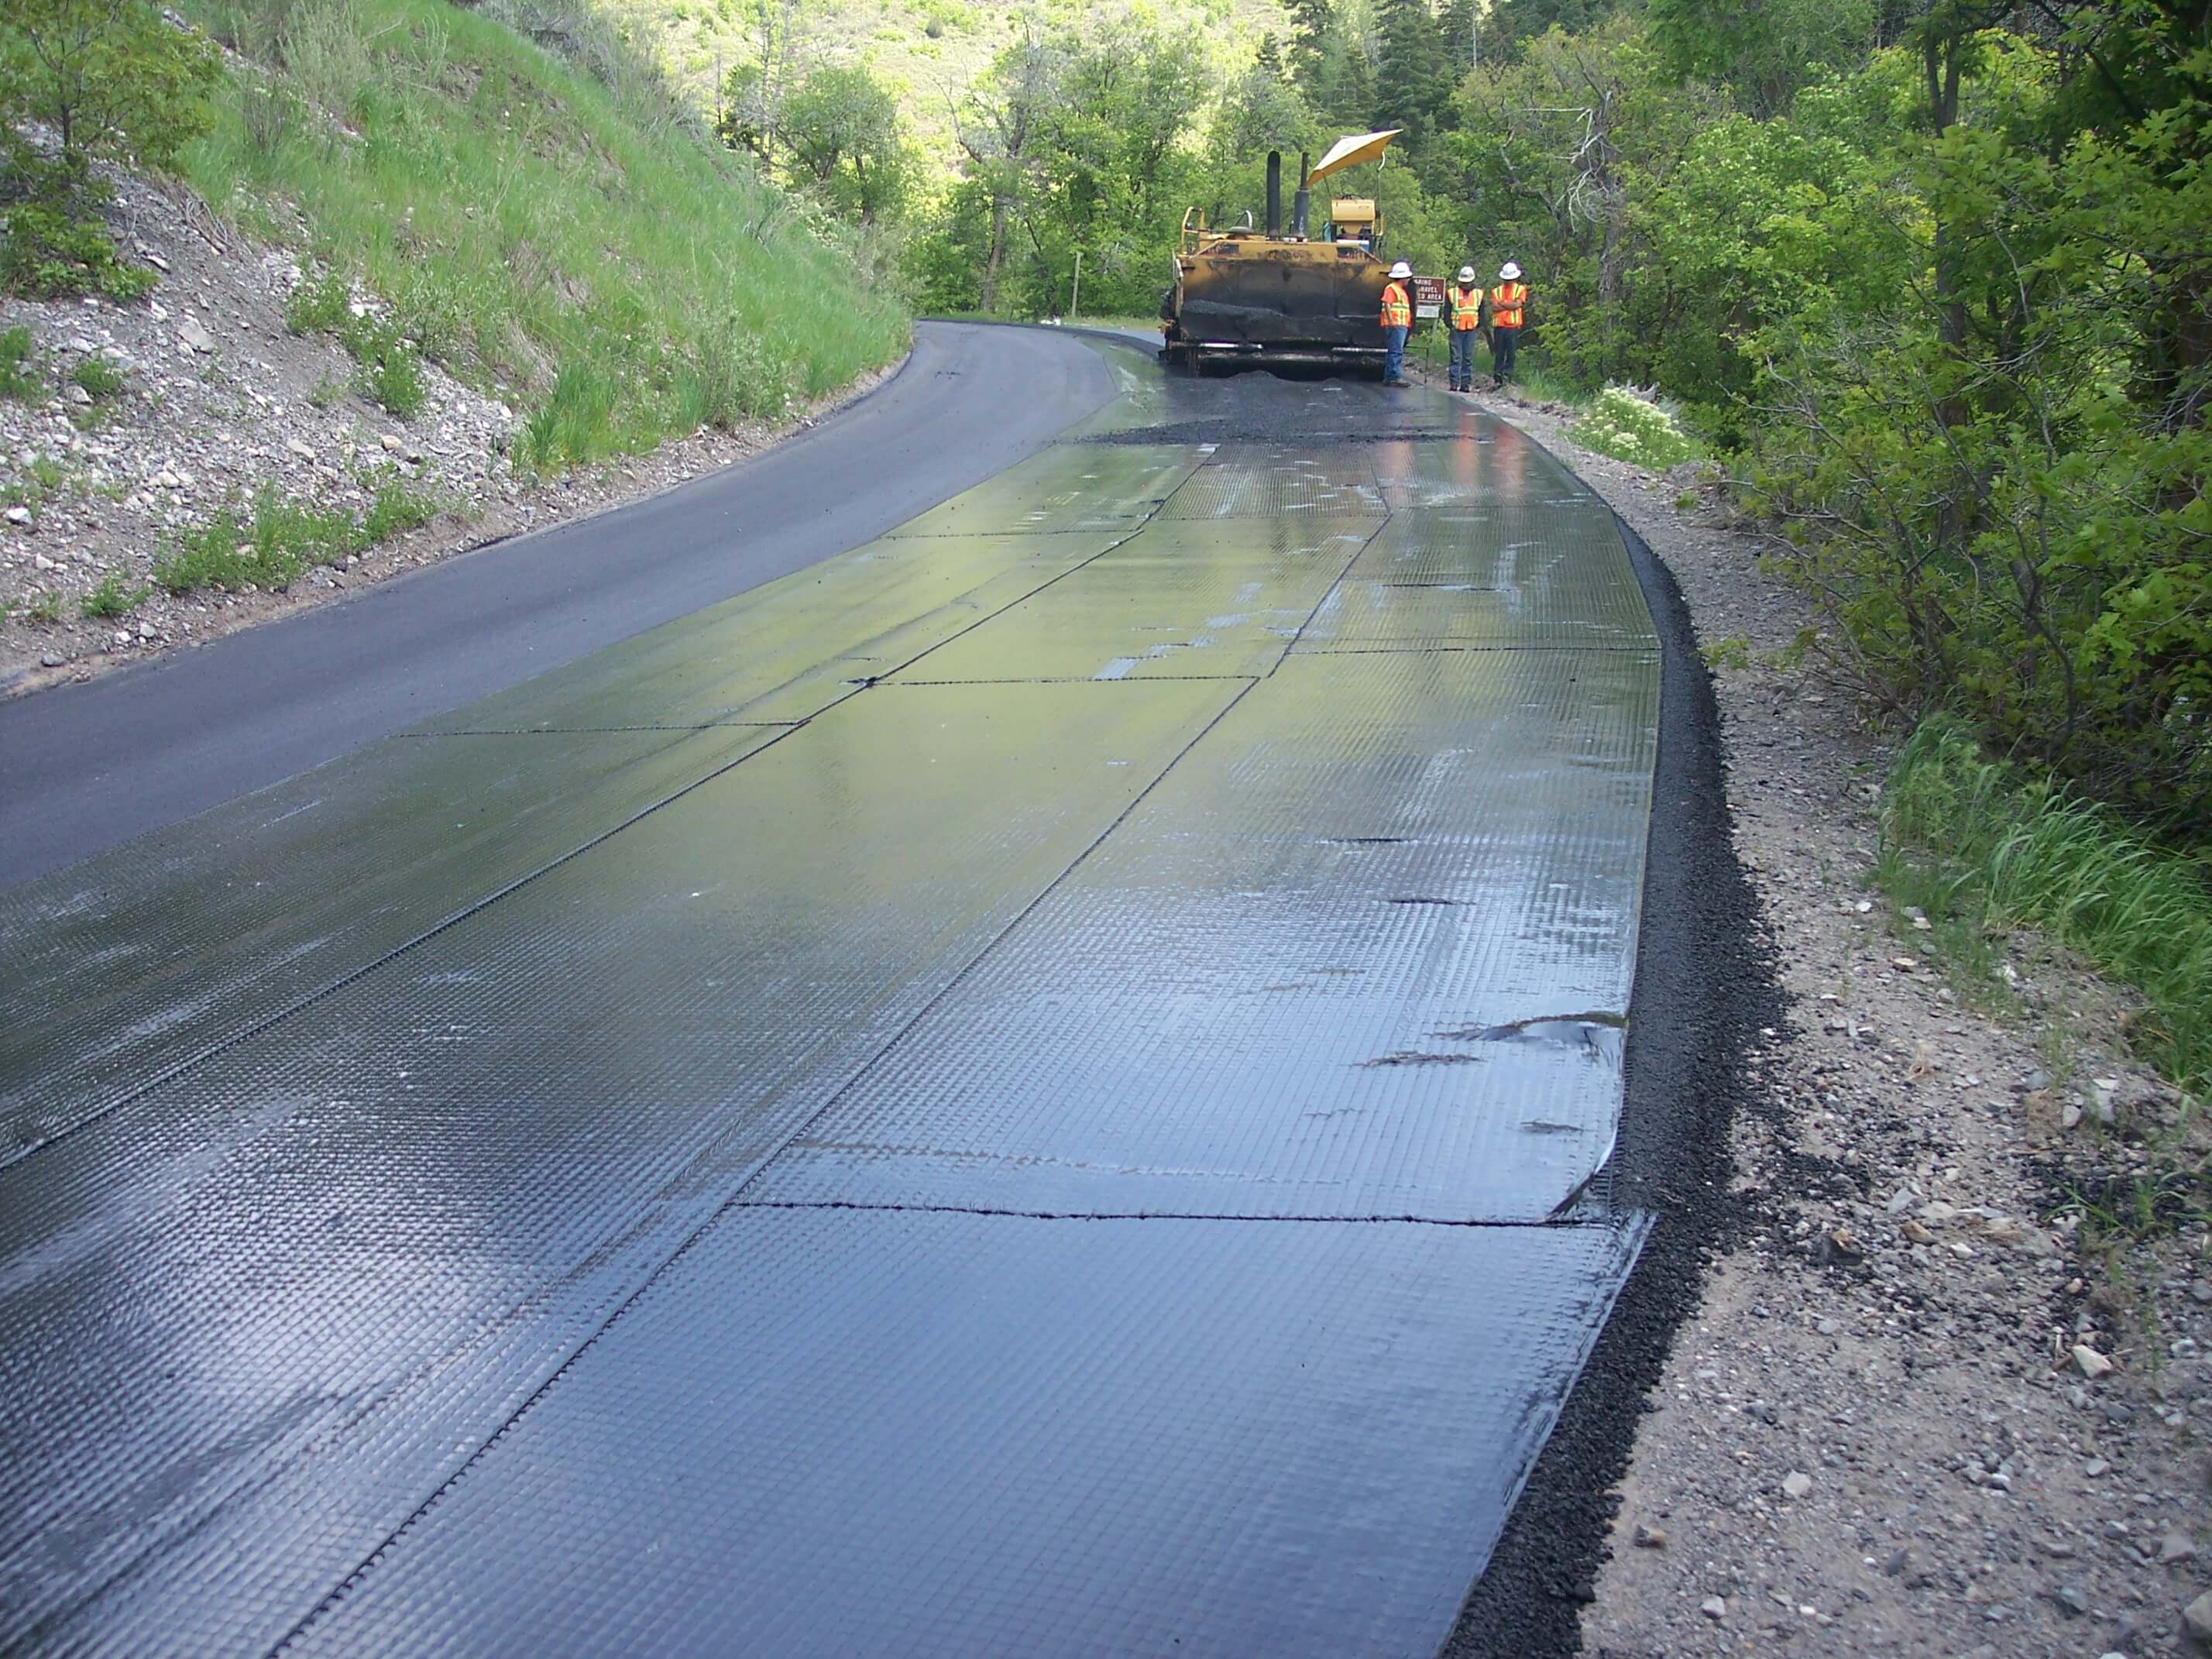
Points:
[(1041, 1084)]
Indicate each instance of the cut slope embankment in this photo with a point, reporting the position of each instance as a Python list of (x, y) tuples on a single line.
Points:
[(422, 261)]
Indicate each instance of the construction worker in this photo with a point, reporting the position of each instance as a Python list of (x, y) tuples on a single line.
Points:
[(1463, 317), (1508, 306), (1397, 323)]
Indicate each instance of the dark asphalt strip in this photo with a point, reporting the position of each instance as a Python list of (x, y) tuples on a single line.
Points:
[(1706, 989), (84, 767)]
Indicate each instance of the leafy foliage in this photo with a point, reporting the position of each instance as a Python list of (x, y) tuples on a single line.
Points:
[(1620, 423), (110, 80)]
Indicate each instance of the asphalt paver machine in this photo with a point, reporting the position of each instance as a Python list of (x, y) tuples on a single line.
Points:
[(1267, 296)]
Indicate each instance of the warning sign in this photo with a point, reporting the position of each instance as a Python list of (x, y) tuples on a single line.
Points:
[(1428, 297)]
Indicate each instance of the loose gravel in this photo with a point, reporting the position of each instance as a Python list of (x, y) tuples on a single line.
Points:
[(1913, 1408)]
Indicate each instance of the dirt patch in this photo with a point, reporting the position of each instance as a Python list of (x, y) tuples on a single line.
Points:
[(1913, 1408), (217, 400)]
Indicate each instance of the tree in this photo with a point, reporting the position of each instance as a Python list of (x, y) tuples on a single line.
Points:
[(1000, 128), (842, 136), (1764, 51), (112, 79), (1411, 84)]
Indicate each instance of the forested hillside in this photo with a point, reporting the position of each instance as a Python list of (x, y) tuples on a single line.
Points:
[(1932, 279)]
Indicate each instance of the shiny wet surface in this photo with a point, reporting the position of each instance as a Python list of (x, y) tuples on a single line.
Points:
[(1031, 1088)]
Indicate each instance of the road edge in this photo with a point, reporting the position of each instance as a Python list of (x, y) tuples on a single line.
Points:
[(1705, 1004)]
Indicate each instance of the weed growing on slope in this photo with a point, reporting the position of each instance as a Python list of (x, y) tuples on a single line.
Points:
[(391, 373), (1979, 849), (46, 607), (272, 541), (112, 598), (18, 380), (98, 379)]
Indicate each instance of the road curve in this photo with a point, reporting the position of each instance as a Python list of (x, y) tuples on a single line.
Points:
[(1048, 1084), (85, 767)]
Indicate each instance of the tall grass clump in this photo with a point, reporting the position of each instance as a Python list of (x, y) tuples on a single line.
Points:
[(1996, 849), (19, 380), (553, 227)]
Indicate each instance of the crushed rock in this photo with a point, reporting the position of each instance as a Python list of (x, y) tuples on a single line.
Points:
[(1933, 1380)]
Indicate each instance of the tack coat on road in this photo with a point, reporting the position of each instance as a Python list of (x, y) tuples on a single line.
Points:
[(1040, 1085)]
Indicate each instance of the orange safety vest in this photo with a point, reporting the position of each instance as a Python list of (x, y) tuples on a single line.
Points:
[(1466, 309), (1397, 309), (1505, 302)]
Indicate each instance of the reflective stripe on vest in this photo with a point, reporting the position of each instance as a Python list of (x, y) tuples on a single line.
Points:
[(1505, 302), (1397, 309), (1466, 308)]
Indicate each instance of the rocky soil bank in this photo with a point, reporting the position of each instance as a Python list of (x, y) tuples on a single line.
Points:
[(217, 400), (1930, 1403)]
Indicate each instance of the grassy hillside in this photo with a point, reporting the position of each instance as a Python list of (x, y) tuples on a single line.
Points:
[(569, 239), (931, 50)]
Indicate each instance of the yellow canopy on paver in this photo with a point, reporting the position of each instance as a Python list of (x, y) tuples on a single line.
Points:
[(1350, 152)]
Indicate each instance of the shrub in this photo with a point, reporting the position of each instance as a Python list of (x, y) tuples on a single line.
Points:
[(46, 254), (1630, 428), (113, 80)]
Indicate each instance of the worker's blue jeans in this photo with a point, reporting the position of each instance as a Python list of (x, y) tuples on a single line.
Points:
[(1462, 358), (1393, 353), (1502, 343)]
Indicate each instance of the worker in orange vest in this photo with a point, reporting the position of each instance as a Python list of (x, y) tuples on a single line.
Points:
[(1397, 323), (1463, 317), (1508, 308)]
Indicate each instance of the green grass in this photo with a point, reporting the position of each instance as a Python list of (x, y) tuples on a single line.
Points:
[(46, 607), (1981, 848), (18, 380), (273, 540), (112, 598), (99, 379), (574, 247), (391, 373)]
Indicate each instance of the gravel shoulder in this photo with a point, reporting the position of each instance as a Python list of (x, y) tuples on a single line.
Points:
[(220, 399), (1915, 1406)]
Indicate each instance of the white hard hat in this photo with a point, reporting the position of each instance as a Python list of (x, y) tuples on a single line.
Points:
[(1512, 273), (1467, 273), (1401, 268)]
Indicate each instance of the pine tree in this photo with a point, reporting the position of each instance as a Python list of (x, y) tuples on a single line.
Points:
[(1409, 75)]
